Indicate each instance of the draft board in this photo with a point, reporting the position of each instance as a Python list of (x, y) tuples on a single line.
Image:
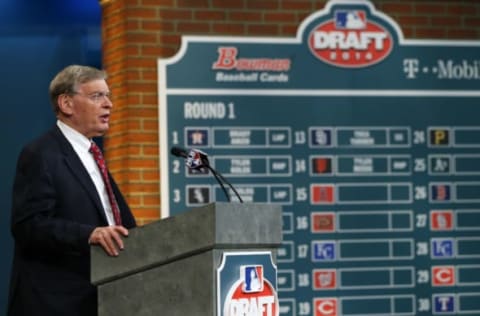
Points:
[(368, 140)]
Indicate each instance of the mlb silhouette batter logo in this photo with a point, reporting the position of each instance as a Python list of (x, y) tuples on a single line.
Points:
[(246, 283), (350, 20), (252, 278)]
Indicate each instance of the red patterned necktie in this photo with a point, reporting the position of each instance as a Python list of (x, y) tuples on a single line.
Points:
[(97, 155)]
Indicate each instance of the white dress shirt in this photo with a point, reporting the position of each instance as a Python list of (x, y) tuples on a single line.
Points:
[(81, 145)]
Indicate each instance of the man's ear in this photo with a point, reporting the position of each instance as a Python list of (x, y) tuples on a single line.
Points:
[(65, 104)]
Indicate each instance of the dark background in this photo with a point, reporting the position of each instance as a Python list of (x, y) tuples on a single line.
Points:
[(37, 39)]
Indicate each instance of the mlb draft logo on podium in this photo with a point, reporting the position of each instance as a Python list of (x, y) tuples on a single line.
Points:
[(247, 285), (252, 277)]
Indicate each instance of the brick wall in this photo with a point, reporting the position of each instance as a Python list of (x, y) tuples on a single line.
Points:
[(138, 32)]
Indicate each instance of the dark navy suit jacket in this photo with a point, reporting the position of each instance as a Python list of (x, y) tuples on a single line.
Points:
[(55, 209)]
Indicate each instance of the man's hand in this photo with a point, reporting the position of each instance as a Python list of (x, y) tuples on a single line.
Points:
[(109, 237)]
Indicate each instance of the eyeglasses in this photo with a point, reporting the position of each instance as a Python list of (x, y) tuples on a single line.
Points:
[(96, 96)]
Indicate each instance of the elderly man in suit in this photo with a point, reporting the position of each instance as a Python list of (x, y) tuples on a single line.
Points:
[(64, 200)]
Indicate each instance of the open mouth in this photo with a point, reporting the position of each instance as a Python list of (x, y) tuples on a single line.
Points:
[(105, 118)]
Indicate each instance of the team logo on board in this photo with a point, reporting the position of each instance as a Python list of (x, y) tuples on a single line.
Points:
[(441, 220), (322, 222), (350, 40), (323, 250), (196, 137), (325, 306), (322, 194), (198, 195), (440, 192), (443, 276), (443, 303), (321, 165), (442, 248), (324, 279)]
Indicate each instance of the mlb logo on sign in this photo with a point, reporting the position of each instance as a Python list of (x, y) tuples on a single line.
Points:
[(350, 20), (349, 40), (247, 284), (252, 279)]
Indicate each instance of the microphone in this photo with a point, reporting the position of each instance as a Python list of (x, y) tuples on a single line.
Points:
[(179, 152), (197, 159)]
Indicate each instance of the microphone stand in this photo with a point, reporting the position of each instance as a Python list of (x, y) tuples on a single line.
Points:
[(180, 152), (220, 179)]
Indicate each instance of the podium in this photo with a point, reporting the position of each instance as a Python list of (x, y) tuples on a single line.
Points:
[(169, 267)]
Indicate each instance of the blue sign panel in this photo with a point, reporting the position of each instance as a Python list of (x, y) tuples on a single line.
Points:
[(369, 141)]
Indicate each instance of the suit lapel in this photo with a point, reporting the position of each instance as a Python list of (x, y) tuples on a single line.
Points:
[(78, 170)]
